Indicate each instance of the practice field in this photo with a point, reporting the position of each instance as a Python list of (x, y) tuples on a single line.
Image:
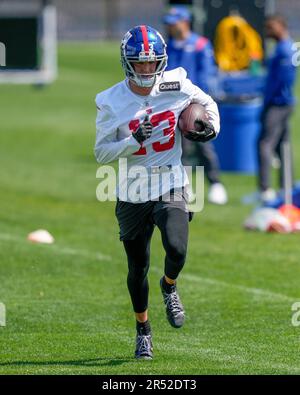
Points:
[(68, 308)]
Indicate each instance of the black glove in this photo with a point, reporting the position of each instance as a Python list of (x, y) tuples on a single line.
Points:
[(144, 131), (204, 131)]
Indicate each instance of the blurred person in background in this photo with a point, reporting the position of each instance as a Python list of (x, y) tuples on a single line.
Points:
[(195, 54), (279, 101)]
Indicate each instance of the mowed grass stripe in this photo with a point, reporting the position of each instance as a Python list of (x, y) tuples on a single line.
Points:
[(190, 277)]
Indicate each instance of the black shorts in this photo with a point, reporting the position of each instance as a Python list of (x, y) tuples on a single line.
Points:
[(134, 217)]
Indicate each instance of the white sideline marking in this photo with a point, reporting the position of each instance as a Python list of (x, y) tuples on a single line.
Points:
[(190, 277), (61, 250), (254, 291), (2, 314), (83, 253)]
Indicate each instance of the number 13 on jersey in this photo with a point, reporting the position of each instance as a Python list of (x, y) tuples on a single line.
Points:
[(156, 119)]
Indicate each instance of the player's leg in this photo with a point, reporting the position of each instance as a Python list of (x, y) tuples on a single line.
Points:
[(267, 141), (138, 257), (208, 158), (188, 153), (284, 137), (136, 230), (173, 225)]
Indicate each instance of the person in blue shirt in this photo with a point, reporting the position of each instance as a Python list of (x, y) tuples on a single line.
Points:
[(279, 101), (195, 54)]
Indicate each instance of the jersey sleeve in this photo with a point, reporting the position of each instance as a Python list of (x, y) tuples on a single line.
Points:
[(196, 95), (107, 147)]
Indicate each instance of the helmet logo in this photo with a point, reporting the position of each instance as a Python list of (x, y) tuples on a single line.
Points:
[(127, 36)]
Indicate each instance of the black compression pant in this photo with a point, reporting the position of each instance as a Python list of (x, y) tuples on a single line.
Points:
[(173, 226)]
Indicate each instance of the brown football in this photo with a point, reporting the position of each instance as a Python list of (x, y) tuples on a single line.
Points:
[(188, 116)]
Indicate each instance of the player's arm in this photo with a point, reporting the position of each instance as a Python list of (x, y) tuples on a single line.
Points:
[(192, 93), (211, 108), (195, 94), (107, 147), (210, 128)]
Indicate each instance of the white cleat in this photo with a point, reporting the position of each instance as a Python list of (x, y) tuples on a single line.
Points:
[(268, 195), (217, 194)]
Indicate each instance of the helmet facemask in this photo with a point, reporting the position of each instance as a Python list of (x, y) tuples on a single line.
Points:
[(145, 80)]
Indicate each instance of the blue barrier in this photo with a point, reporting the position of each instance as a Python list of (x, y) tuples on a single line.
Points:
[(240, 126), (242, 84)]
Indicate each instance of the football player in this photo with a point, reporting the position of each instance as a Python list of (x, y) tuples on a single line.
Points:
[(137, 120)]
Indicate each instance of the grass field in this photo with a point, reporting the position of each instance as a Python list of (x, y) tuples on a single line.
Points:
[(68, 309)]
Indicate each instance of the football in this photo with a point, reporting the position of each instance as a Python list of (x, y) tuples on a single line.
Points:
[(188, 116)]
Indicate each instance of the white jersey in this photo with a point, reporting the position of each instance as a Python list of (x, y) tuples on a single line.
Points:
[(119, 113)]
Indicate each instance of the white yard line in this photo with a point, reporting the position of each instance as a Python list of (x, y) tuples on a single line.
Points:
[(58, 249), (83, 253), (255, 291)]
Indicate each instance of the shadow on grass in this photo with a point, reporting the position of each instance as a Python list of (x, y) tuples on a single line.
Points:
[(83, 362)]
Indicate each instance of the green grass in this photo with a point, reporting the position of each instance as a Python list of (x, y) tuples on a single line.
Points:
[(68, 308)]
